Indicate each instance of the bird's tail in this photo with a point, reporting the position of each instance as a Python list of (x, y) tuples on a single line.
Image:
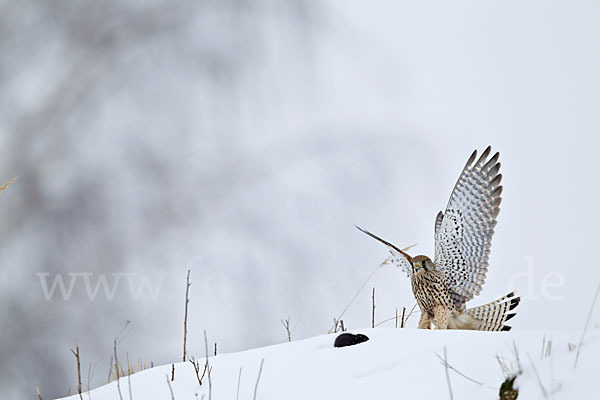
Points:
[(494, 315)]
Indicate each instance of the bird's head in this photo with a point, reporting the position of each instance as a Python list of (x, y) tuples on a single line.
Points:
[(422, 264)]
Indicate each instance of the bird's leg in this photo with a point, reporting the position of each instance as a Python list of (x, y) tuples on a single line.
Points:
[(440, 317), (424, 321)]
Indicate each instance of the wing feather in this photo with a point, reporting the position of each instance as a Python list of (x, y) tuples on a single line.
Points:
[(463, 236)]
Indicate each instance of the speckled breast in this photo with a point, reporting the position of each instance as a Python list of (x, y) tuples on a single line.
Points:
[(430, 290)]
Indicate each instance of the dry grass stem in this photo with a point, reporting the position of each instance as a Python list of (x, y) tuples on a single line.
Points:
[(373, 310), (209, 383), (129, 386), (537, 375), (196, 365), (117, 370), (110, 370), (511, 367), (546, 348), (402, 321), (587, 322), (258, 377), (6, 184), (337, 326), (336, 320), (447, 365), (447, 374), (76, 354), (237, 396), (286, 325), (208, 366), (89, 377), (410, 313), (170, 388), (187, 300), (403, 312)]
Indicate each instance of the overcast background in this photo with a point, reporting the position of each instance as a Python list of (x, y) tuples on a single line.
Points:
[(242, 139)]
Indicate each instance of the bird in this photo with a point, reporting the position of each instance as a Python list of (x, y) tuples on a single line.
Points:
[(463, 236)]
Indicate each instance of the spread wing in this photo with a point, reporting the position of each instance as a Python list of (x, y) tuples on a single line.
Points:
[(399, 258), (463, 233)]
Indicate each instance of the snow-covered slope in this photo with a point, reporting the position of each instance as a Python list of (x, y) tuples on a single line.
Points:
[(394, 363)]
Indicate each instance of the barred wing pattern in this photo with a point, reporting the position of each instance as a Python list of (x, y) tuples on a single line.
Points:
[(399, 260), (463, 234)]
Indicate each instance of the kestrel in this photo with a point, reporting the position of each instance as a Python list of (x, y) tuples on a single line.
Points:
[(463, 238)]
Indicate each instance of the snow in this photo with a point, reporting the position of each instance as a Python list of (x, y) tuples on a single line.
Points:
[(393, 363)]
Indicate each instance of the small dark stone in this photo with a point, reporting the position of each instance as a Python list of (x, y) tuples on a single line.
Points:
[(349, 339)]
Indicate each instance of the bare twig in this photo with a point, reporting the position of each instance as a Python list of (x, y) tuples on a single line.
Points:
[(511, 368), (206, 346), (373, 310), (170, 388), (286, 325), (237, 396), (209, 383), (89, 378), (91, 372), (335, 327), (410, 313), (37, 391), (403, 312), (546, 347), (196, 365), (447, 365), (215, 348), (130, 370), (258, 377), (172, 372), (208, 366), (117, 370), (517, 358), (586, 326), (124, 331), (76, 354), (447, 373), (129, 385), (110, 370), (187, 300), (338, 326), (6, 184), (543, 347)]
